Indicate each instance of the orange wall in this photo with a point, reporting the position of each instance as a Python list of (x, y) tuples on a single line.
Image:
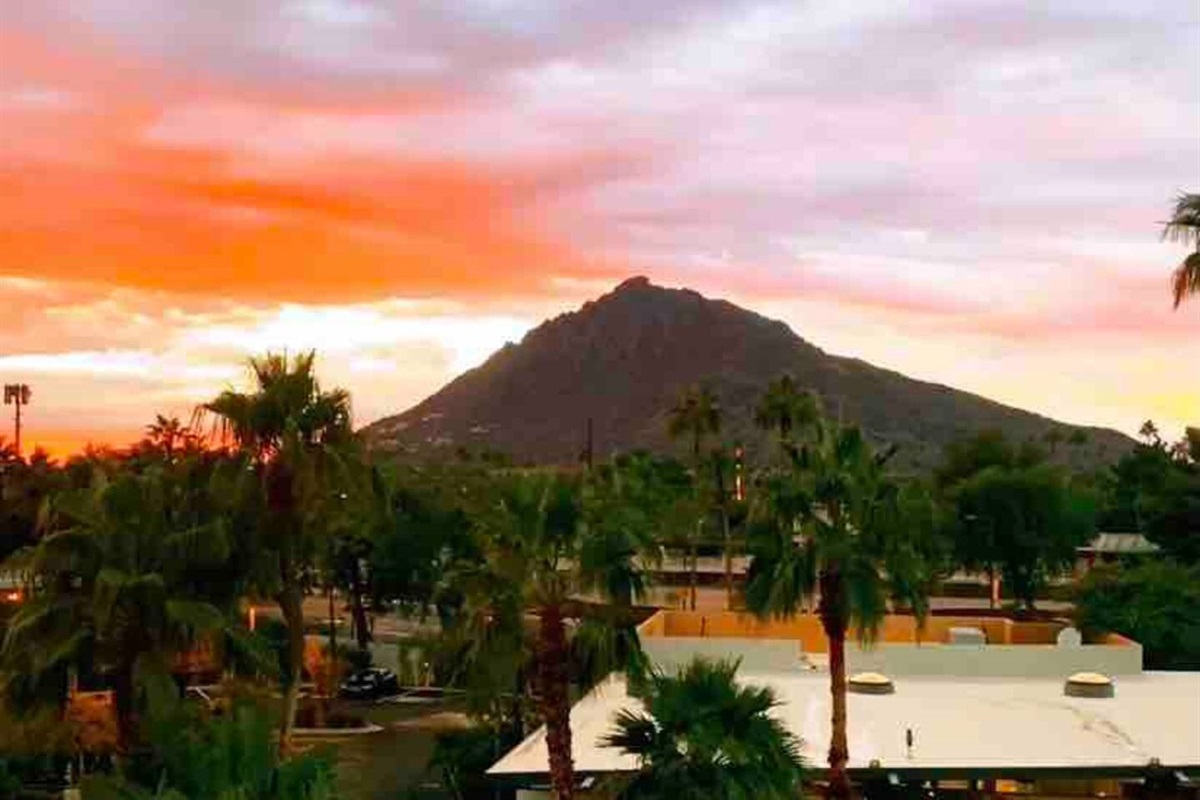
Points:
[(806, 628)]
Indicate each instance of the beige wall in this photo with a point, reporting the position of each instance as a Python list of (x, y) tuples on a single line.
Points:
[(1001, 660), (756, 655), (672, 638)]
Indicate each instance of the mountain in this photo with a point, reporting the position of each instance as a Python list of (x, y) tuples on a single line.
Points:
[(621, 361)]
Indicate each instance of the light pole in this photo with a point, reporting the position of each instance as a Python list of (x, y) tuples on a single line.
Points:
[(17, 394)]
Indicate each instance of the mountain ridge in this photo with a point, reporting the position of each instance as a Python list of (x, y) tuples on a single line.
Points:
[(622, 359)]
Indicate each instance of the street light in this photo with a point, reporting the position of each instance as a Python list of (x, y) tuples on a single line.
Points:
[(17, 394)]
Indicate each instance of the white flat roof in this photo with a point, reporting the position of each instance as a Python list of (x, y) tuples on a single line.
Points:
[(957, 723)]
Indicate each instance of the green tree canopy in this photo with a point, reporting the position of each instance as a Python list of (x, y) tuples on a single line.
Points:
[(1155, 490), (970, 455), (25, 485), (1153, 603), (1023, 523), (116, 589)]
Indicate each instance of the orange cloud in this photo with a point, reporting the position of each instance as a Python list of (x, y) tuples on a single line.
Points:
[(88, 194), (181, 187)]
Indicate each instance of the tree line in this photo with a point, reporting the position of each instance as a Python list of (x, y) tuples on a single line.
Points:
[(130, 560)]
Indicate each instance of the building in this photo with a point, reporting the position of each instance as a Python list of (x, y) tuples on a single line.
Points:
[(1108, 548), (986, 700)]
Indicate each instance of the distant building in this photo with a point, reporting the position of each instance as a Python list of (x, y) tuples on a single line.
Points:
[(992, 703), (1108, 548)]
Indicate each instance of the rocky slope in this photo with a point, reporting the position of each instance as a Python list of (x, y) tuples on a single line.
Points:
[(622, 360)]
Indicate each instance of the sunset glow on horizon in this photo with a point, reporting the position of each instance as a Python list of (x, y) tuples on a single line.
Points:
[(968, 193)]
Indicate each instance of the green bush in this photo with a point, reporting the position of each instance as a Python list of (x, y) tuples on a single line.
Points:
[(1153, 603), (232, 757)]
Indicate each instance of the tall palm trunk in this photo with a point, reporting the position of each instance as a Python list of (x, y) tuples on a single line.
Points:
[(279, 481), (723, 510), (291, 605), (693, 569), (362, 630), (728, 559), (123, 704), (333, 647), (833, 619), (553, 684)]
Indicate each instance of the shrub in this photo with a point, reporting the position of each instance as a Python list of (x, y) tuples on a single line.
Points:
[(1153, 603)]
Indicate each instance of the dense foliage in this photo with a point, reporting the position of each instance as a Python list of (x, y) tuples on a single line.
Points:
[(1155, 603), (119, 569), (1011, 514), (135, 569), (232, 757), (1155, 490), (703, 736)]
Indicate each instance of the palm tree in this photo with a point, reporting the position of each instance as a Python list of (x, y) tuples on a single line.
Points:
[(785, 408), (1053, 438), (169, 436), (115, 589), (543, 549), (722, 466), (696, 414), (291, 431), (25, 483), (704, 737), (361, 516), (834, 524), (1184, 226)]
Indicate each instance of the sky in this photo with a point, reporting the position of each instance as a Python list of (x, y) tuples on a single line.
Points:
[(967, 192)]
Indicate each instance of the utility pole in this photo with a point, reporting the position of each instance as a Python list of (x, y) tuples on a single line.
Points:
[(17, 394)]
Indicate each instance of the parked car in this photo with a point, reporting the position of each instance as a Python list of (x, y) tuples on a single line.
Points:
[(370, 684)]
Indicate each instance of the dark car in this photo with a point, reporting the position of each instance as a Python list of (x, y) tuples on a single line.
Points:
[(370, 684)]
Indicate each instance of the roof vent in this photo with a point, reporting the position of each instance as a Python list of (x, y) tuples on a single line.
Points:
[(871, 683), (1088, 684)]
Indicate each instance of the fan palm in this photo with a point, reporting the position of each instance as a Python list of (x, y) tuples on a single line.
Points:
[(543, 549), (1184, 226), (704, 737), (696, 414), (113, 590), (785, 408), (290, 430), (834, 524), (168, 436), (722, 470)]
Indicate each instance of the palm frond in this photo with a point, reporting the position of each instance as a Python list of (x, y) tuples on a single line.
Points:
[(703, 735), (1185, 281), (1184, 225)]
